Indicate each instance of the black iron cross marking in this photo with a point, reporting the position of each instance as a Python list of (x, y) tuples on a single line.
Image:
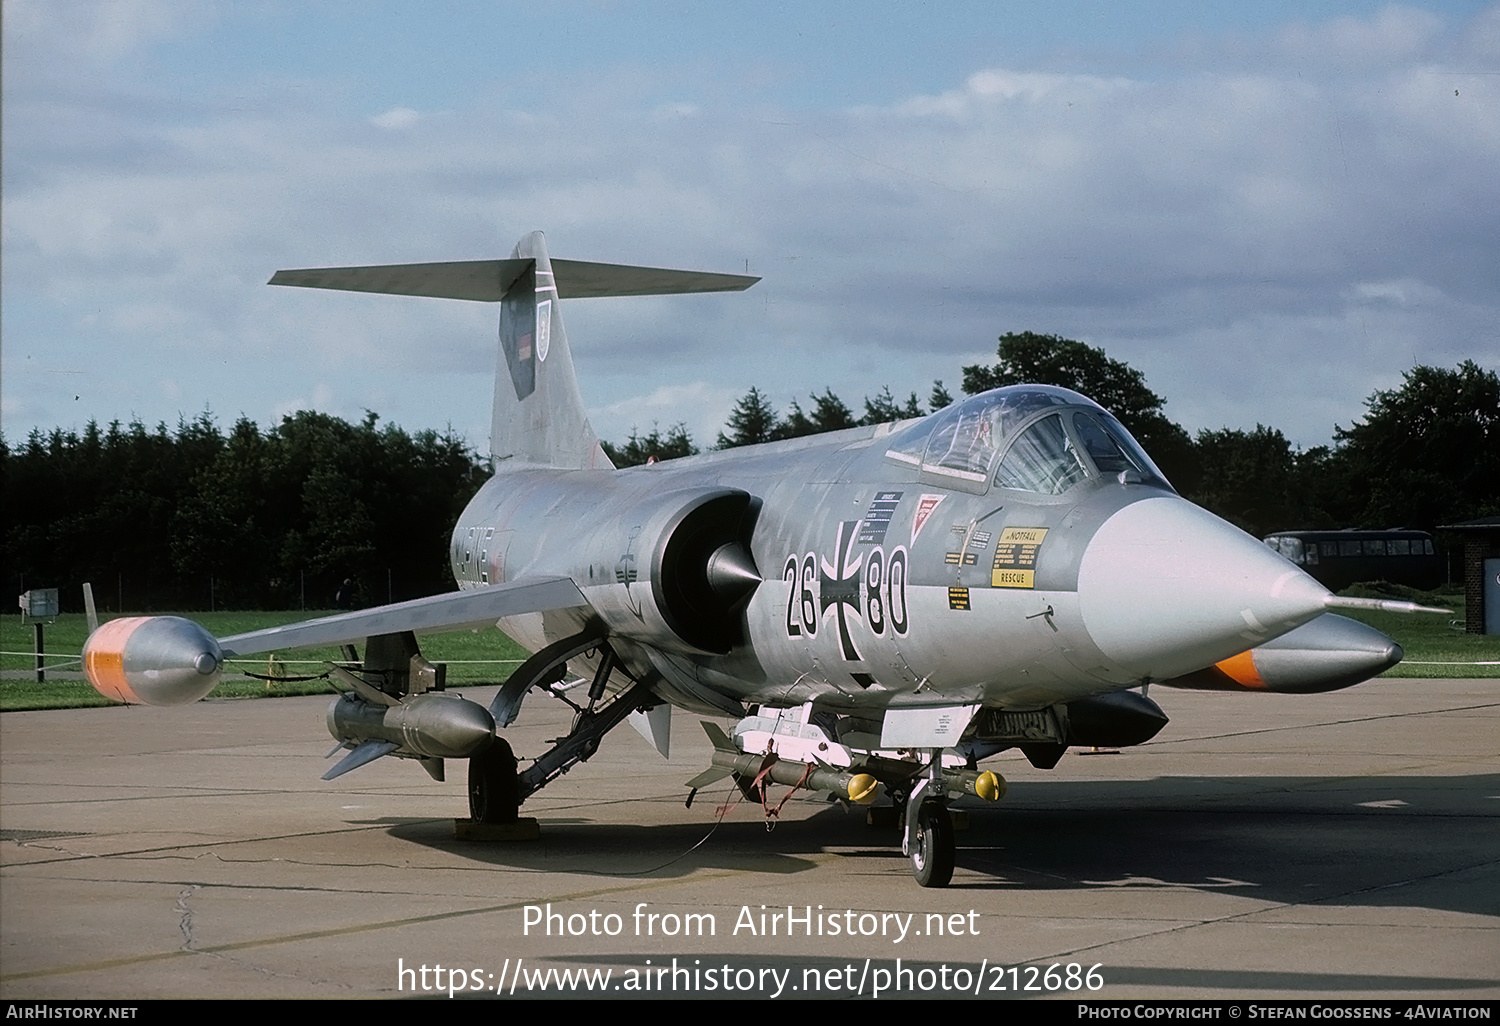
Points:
[(839, 586)]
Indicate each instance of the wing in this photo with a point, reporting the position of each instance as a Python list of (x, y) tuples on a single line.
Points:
[(479, 607)]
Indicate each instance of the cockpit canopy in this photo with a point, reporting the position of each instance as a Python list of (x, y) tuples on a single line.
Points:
[(1031, 438)]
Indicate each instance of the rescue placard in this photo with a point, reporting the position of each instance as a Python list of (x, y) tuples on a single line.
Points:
[(1015, 557)]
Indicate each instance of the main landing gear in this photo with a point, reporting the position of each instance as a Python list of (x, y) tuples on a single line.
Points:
[(496, 790), (493, 794)]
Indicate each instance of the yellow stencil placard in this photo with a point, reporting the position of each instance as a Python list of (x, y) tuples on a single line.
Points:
[(1015, 557), (1023, 534)]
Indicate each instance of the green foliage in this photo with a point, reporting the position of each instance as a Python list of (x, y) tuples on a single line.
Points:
[(1029, 358), (1249, 478), (640, 449), (830, 413), (938, 397), (751, 422), (754, 419), (254, 519), (883, 409), (272, 518), (1427, 453)]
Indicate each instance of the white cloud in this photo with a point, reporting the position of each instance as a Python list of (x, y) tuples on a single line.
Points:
[(1393, 34), (677, 110), (320, 398), (1482, 35), (104, 31), (396, 118), (1405, 292), (701, 406), (1213, 227)]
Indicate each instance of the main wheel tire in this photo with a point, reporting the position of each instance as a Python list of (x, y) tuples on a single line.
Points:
[(932, 858), (493, 791)]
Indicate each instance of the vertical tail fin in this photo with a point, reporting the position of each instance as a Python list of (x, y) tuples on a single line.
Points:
[(538, 417)]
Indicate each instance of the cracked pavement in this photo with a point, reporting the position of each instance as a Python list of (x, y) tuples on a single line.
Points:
[(1340, 845)]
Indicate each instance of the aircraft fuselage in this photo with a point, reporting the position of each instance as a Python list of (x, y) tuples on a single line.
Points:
[(880, 587)]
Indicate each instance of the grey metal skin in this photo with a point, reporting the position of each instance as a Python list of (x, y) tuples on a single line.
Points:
[(1010, 566), (173, 656), (1172, 590), (1329, 653), (930, 563), (157, 660), (436, 725)]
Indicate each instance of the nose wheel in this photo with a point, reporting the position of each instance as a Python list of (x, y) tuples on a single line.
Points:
[(931, 846), (928, 837)]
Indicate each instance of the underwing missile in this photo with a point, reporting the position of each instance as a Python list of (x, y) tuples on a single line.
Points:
[(857, 787), (435, 725), (986, 784), (853, 783)]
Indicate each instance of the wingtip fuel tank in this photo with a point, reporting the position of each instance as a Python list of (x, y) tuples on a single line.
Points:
[(1326, 654), (152, 660)]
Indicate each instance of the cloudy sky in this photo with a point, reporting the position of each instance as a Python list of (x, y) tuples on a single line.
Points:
[(1271, 209)]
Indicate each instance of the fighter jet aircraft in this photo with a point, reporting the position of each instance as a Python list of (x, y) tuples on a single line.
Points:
[(877, 609)]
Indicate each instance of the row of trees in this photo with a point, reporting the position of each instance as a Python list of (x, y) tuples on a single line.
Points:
[(279, 518), (195, 518), (1426, 453)]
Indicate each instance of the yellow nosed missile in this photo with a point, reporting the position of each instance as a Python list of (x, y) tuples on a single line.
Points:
[(862, 788)]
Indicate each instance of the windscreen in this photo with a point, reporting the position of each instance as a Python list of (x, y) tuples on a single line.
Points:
[(1043, 459)]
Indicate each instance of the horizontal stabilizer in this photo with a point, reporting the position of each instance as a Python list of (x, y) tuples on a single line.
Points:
[(579, 279), (487, 281), (363, 754), (478, 607)]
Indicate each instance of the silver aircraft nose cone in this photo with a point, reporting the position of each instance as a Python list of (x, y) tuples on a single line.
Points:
[(1165, 587)]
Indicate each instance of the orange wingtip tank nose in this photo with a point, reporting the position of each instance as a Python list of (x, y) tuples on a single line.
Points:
[(1241, 669), (152, 660), (1237, 673)]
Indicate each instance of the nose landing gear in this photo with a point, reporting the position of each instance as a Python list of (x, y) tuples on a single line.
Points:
[(932, 848), (928, 839)]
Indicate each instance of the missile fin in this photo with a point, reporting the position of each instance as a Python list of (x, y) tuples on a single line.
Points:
[(721, 741), (708, 776), (363, 753)]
